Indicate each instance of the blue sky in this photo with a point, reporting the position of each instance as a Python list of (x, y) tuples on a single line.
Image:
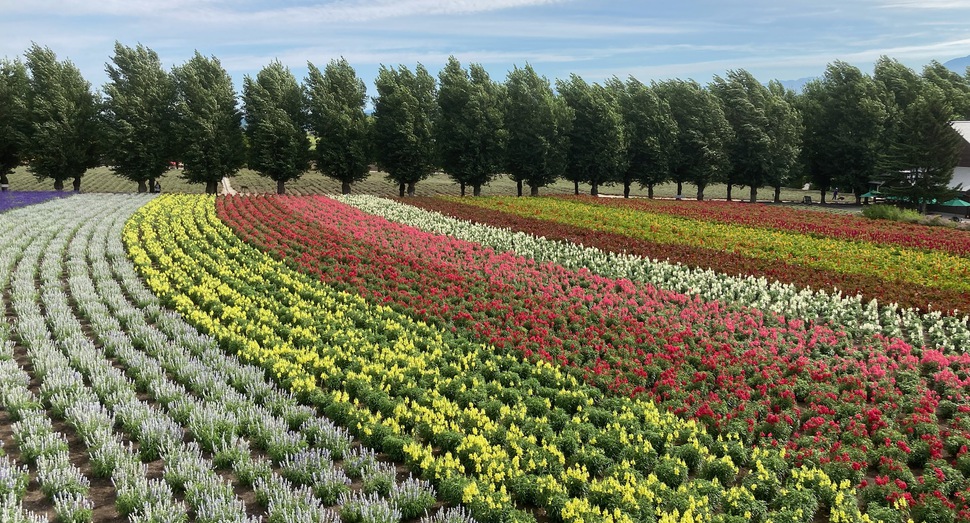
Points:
[(654, 40)]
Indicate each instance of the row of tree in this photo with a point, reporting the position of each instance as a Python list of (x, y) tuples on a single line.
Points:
[(845, 130)]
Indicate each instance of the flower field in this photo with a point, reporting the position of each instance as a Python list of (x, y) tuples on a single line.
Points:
[(14, 199), (355, 359), (118, 409), (496, 432), (888, 262)]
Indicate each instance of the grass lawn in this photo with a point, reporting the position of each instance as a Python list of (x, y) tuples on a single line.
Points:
[(101, 179)]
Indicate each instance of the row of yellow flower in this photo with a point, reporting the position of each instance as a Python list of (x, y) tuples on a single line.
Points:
[(501, 435), (929, 268)]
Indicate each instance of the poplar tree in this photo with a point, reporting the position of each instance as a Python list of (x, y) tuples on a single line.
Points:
[(140, 114), (336, 101), (276, 125), (538, 123), (404, 112), (65, 130), (208, 122), (14, 117), (469, 133)]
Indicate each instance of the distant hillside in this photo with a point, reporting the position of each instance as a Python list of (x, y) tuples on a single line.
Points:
[(796, 85), (958, 65)]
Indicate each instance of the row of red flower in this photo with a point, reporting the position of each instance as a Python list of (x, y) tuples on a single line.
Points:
[(731, 263), (832, 225), (877, 409)]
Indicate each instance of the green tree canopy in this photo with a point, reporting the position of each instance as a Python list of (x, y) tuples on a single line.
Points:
[(703, 134), (65, 128), (14, 117), (276, 125), (918, 165), (844, 117), (208, 122), (404, 112), (469, 133), (650, 134), (538, 123), (785, 130), (140, 114), (597, 148), (744, 101), (955, 88), (337, 98)]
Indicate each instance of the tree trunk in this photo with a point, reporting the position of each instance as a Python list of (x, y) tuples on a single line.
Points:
[(344, 187), (280, 186), (476, 190), (518, 187), (401, 187), (77, 184), (700, 192), (626, 189), (4, 183), (533, 190), (58, 185), (650, 191), (729, 188), (594, 189), (680, 190), (823, 196), (777, 194), (462, 187), (411, 188), (754, 194), (143, 187), (576, 188)]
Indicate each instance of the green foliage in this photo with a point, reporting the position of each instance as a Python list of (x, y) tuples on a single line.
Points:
[(703, 133), (650, 133), (139, 113), (955, 88), (65, 128), (208, 122), (276, 115), (14, 116), (924, 149), (336, 101), (844, 119), (469, 132), (597, 148), (404, 112), (890, 212), (538, 125)]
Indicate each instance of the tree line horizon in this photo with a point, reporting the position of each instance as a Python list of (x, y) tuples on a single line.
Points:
[(845, 129)]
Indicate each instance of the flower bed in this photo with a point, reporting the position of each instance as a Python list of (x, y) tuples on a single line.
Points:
[(912, 279), (851, 406), (812, 223), (15, 199), (488, 428)]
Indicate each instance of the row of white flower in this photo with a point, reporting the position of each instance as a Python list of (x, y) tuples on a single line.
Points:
[(948, 332), (196, 390)]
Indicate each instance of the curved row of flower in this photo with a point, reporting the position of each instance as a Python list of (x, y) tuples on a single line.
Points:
[(16, 199), (763, 376), (194, 392), (510, 433), (727, 264), (798, 220), (575, 248), (933, 269)]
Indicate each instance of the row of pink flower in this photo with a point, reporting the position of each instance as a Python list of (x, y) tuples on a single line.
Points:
[(880, 408)]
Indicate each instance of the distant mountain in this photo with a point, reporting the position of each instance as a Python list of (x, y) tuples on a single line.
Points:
[(958, 65), (796, 85)]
